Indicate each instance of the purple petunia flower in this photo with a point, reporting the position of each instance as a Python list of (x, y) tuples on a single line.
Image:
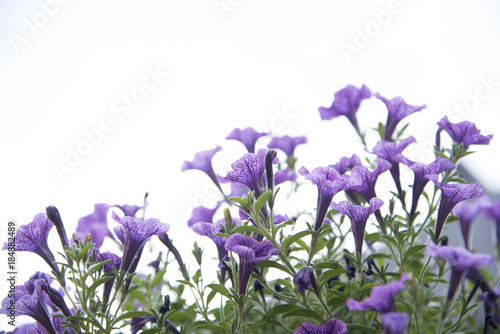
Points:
[(460, 260), (284, 175), (129, 210), (33, 238), (391, 151), (467, 212), (451, 195), (381, 297), (397, 110), (248, 171), (29, 300), (329, 183), (96, 224), (202, 214), (247, 137), (346, 103), (346, 164), (492, 211), (287, 144), (394, 322), (420, 170), (358, 216), (369, 178), (464, 133), (332, 326), (203, 162), (304, 279), (134, 234), (250, 252)]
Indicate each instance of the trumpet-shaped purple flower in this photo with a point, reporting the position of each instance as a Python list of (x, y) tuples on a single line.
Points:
[(134, 234), (420, 170), (304, 279), (287, 144), (369, 178), (250, 252), (397, 109), (248, 171), (460, 260), (346, 103), (492, 211), (381, 297), (29, 300), (391, 151), (284, 175), (203, 162), (464, 133), (451, 195), (332, 326), (346, 164), (467, 212), (33, 238), (202, 214), (394, 322), (247, 137), (358, 216), (96, 224), (329, 183)]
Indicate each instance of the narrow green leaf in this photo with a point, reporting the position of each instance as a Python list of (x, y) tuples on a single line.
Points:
[(303, 312), (280, 309), (291, 239), (220, 289)]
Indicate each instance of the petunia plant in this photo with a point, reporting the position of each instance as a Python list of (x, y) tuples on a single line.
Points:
[(336, 248)]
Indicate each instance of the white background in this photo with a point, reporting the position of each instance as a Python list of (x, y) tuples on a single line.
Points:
[(268, 65)]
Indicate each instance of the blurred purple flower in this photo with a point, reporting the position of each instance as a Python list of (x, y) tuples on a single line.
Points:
[(391, 151), (451, 195), (248, 171), (33, 238), (134, 234), (464, 133), (250, 252), (202, 214), (346, 103), (247, 137), (460, 260), (287, 144), (369, 178), (203, 162), (129, 210), (358, 216), (329, 183), (283, 175), (96, 224), (492, 211), (332, 326), (29, 300), (394, 322), (346, 164), (397, 110), (210, 230), (381, 297), (304, 279), (420, 170), (467, 212)]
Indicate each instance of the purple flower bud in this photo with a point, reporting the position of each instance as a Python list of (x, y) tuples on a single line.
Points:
[(304, 279)]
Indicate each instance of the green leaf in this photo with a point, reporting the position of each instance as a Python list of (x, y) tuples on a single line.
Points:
[(96, 266), (158, 277), (132, 314), (280, 309), (320, 245), (97, 283), (273, 264), (413, 250), (211, 296), (327, 264), (361, 327), (291, 239), (220, 289), (259, 203), (303, 312), (331, 273), (215, 328), (246, 228)]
